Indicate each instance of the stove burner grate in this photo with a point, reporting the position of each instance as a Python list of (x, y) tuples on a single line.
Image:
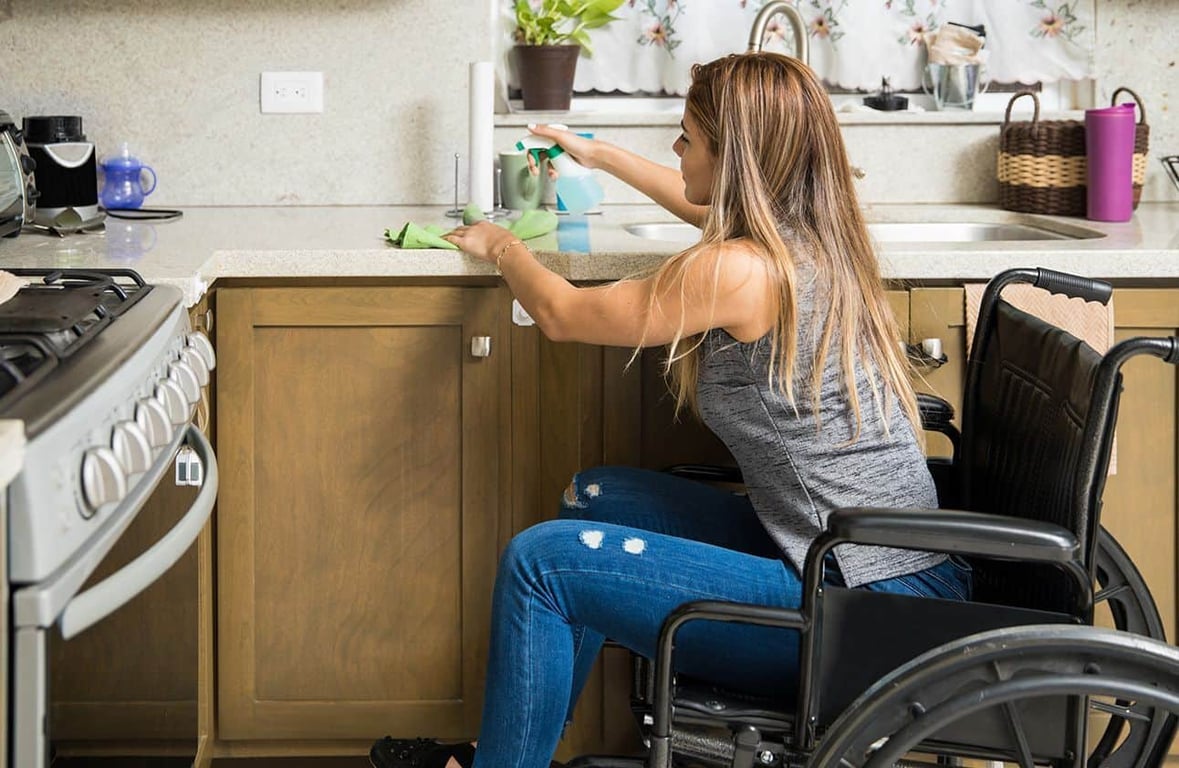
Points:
[(49, 319), (24, 361)]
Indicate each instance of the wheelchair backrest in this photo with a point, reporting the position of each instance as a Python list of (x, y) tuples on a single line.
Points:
[(1028, 447)]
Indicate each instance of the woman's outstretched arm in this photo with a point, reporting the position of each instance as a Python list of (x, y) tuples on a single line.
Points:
[(725, 286)]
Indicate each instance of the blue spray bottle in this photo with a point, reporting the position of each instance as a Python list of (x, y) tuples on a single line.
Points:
[(576, 185)]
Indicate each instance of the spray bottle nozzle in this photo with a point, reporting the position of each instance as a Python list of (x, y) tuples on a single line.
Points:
[(539, 151)]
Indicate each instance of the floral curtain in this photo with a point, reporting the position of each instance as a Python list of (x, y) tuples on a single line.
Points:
[(853, 43)]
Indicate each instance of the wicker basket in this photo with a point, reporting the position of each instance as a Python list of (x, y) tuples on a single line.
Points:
[(1042, 163)]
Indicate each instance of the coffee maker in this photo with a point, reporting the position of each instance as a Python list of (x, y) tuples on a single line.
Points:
[(67, 171)]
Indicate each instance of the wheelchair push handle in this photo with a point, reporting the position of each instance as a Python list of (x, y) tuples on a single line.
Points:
[(1166, 348), (1072, 285)]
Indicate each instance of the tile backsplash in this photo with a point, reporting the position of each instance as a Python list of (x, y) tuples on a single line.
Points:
[(178, 80)]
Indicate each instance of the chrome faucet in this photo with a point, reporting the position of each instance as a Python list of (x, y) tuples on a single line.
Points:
[(772, 9)]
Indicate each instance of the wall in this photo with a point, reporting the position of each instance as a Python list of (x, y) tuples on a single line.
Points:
[(178, 79)]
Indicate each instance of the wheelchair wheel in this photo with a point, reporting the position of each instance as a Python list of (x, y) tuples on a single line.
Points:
[(1123, 590), (1007, 679)]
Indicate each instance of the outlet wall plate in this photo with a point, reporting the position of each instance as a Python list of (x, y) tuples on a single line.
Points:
[(291, 92)]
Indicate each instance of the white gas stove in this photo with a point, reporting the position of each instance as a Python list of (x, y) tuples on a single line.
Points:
[(106, 375)]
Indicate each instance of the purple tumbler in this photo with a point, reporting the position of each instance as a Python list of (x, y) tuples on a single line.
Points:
[(1109, 145)]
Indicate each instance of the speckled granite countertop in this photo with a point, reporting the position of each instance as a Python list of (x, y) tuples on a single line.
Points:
[(208, 244)]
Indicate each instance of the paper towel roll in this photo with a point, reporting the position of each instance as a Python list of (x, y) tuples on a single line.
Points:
[(481, 134)]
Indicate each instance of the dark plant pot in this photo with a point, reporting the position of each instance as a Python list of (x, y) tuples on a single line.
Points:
[(546, 75)]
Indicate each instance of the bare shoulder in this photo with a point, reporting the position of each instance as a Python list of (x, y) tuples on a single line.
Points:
[(745, 283), (738, 267)]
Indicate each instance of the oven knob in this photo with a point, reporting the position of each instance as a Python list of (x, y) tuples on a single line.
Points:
[(197, 364), (153, 421), (186, 378), (103, 480), (169, 395), (200, 342), (131, 447)]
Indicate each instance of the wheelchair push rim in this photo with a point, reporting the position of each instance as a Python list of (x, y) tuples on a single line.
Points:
[(992, 670)]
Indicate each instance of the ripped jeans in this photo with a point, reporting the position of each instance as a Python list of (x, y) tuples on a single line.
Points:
[(630, 547)]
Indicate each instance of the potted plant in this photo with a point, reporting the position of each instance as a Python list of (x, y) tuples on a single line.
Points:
[(550, 35)]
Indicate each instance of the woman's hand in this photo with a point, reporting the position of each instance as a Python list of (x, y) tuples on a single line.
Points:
[(581, 149), (483, 240)]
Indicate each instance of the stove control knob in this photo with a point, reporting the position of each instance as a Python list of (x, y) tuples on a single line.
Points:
[(200, 342), (169, 395), (153, 421), (186, 378), (103, 481), (194, 360), (131, 447)]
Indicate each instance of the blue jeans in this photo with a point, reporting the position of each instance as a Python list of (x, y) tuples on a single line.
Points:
[(631, 546)]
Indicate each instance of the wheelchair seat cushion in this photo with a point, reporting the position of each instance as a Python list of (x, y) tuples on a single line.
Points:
[(697, 701)]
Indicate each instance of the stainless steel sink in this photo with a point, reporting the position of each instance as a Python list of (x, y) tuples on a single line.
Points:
[(899, 232), (957, 232)]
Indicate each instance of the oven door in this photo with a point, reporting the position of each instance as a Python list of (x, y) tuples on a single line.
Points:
[(88, 681)]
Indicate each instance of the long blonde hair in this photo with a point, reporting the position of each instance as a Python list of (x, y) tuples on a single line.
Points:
[(781, 163)]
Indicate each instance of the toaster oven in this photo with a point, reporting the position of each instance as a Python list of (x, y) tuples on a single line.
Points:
[(17, 190)]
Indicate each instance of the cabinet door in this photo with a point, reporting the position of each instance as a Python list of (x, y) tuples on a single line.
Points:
[(360, 445)]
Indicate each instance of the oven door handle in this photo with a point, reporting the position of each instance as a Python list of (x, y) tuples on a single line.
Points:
[(108, 595)]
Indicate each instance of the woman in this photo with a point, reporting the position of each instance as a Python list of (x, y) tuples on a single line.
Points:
[(780, 337)]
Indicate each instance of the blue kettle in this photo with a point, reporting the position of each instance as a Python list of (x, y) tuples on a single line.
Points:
[(122, 185)]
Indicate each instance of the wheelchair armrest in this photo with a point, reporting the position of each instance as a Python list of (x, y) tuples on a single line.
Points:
[(955, 531), (706, 472), (935, 412)]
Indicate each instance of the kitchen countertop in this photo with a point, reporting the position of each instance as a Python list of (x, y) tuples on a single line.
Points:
[(348, 241)]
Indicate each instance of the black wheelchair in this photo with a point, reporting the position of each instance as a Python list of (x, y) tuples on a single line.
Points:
[(1017, 675)]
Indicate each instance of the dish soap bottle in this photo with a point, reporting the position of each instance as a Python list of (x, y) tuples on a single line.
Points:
[(576, 185)]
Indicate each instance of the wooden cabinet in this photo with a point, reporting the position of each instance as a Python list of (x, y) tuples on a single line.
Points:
[(373, 469), (363, 452)]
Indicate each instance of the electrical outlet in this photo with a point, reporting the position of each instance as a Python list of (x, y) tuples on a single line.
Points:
[(291, 92)]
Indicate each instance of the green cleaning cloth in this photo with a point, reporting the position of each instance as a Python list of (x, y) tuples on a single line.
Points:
[(530, 224), (414, 236), (533, 224)]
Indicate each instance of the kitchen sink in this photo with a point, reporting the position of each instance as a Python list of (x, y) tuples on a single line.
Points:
[(957, 232), (899, 232)]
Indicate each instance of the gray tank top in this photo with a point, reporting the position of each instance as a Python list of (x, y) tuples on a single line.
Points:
[(796, 475)]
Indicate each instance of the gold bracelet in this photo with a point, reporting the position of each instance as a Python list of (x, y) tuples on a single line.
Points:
[(499, 257)]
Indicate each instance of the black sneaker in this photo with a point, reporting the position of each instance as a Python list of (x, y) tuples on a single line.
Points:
[(418, 753)]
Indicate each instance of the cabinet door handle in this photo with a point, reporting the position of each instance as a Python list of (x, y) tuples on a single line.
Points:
[(480, 346)]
